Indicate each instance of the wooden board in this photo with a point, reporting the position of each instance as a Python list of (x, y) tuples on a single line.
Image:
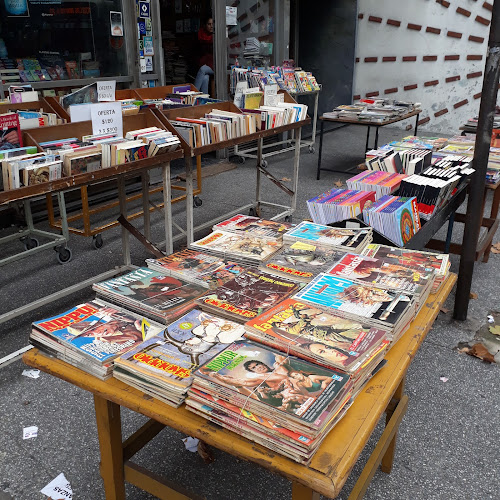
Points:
[(336, 456)]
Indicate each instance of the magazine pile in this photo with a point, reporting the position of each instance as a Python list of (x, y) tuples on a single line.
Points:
[(284, 403)]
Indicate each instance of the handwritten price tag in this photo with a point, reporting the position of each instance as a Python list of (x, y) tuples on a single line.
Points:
[(106, 91), (107, 118)]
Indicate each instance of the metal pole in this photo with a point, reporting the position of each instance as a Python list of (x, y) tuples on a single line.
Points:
[(474, 215)]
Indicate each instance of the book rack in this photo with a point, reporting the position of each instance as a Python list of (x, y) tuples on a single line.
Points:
[(254, 207), (22, 106), (289, 142)]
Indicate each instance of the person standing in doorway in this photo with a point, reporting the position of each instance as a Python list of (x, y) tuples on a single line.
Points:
[(206, 40)]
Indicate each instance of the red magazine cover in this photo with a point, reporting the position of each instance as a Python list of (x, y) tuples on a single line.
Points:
[(10, 132)]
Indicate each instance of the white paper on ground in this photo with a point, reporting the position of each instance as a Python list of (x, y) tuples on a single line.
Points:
[(59, 488), (31, 373), (30, 432), (191, 444)]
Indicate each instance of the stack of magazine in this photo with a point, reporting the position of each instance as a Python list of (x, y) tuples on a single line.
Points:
[(344, 240), (90, 336), (390, 310), (162, 366), (199, 268), (284, 403), (150, 293)]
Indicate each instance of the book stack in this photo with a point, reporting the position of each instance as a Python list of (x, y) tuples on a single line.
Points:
[(300, 261), (284, 113), (385, 274), (150, 293), (406, 161), (373, 110), (436, 185), (396, 217), (248, 295), (284, 403), (216, 126), (335, 238), (28, 169), (163, 365), (239, 247), (338, 204), (37, 118), (414, 259), (419, 142), (254, 226), (195, 267), (328, 340), (91, 336), (389, 310), (381, 183)]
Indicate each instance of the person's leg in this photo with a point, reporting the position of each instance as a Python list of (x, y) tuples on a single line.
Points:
[(199, 78), (203, 78), (204, 85)]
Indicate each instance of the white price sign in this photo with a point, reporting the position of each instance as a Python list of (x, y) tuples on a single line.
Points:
[(106, 91), (107, 118)]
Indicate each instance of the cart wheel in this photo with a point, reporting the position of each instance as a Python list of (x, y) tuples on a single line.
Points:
[(30, 243), (252, 212), (97, 241), (63, 254), (311, 149), (197, 201), (264, 164), (242, 159), (288, 218)]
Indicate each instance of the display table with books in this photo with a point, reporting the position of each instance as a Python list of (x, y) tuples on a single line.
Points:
[(331, 464), (366, 123)]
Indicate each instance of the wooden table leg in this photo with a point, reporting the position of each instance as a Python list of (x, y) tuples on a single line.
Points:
[(493, 215), (110, 443), (388, 458), (301, 492)]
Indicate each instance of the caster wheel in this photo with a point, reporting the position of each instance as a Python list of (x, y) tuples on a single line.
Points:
[(242, 159), (264, 164), (63, 255), (97, 241), (311, 149), (30, 243), (252, 212), (197, 201), (288, 218)]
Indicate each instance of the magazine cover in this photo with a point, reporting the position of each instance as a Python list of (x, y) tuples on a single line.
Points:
[(316, 233), (100, 332), (193, 265), (249, 294), (185, 344), (302, 260), (237, 245), (379, 272), (150, 289), (254, 226), (340, 342), (409, 258), (288, 384), (10, 132), (340, 294)]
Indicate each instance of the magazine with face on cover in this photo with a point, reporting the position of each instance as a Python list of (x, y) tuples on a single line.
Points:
[(285, 384), (253, 226), (247, 295), (306, 331), (356, 300)]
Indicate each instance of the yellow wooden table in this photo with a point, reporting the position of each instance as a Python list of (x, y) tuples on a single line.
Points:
[(331, 464)]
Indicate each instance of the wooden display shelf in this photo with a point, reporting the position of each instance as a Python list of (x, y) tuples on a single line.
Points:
[(21, 106), (161, 92), (330, 466)]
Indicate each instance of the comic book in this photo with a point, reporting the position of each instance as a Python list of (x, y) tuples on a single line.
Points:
[(347, 240), (261, 379), (377, 271), (301, 261), (96, 331), (311, 333), (151, 293), (169, 358), (414, 259), (254, 226), (239, 247), (200, 268), (387, 309), (247, 295)]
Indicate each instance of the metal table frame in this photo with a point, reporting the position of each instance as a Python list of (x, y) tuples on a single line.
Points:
[(290, 142), (344, 122)]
